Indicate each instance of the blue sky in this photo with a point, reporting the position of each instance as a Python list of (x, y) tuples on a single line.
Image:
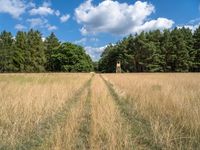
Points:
[(96, 23)]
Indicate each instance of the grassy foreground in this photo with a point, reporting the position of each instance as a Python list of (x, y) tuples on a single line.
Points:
[(92, 111)]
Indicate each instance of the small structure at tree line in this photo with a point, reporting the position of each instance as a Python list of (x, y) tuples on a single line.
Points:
[(118, 67)]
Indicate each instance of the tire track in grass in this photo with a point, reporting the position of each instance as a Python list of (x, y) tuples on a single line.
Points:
[(46, 127), (82, 141), (107, 129), (65, 135), (140, 128)]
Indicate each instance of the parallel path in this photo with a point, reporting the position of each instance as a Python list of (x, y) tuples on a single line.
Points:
[(140, 128), (96, 117), (45, 128), (82, 141), (108, 130)]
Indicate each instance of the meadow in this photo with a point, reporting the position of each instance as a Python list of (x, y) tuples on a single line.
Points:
[(59, 111)]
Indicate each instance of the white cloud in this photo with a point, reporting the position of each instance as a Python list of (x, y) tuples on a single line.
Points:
[(84, 41), (51, 27), (41, 23), (123, 19), (37, 22), (95, 52), (160, 23), (20, 27), (81, 41), (57, 13), (191, 27), (64, 18), (13, 7), (194, 21), (43, 10), (46, 4), (192, 24)]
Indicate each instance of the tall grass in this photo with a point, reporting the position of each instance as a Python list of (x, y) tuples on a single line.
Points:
[(169, 102), (125, 111), (27, 99), (109, 130)]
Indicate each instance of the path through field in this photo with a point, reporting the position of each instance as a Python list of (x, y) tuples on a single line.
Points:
[(96, 116)]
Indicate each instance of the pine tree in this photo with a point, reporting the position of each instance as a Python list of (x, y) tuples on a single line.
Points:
[(197, 49), (188, 37), (19, 53), (141, 53), (6, 52), (166, 45), (156, 57), (34, 55), (51, 43), (180, 54)]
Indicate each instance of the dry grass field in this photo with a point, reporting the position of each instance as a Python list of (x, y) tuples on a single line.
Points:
[(167, 104), (91, 111)]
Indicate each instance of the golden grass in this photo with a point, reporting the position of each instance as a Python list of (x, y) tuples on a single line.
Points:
[(108, 128), (145, 111), (65, 136), (26, 99), (169, 102)]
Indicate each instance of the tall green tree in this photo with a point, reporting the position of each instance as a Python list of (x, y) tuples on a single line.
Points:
[(34, 54), (180, 60), (196, 37), (6, 52), (69, 57), (51, 43), (189, 41), (156, 57), (19, 51), (141, 53), (166, 46)]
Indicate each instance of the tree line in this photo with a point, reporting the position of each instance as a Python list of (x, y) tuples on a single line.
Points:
[(27, 52), (176, 50)]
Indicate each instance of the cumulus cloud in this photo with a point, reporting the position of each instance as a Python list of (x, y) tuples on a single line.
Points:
[(191, 27), (37, 22), (123, 19), (43, 10), (20, 27), (41, 23), (51, 27), (160, 23), (81, 41), (64, 18), (192, 24), (84, 41), (13, 7), (94, 52)]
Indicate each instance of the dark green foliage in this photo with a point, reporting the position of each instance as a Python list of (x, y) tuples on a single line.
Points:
[(96, 66), (28, 53), (51, 43), (196, 37), (167, 51), (71, 58), (34, 54), (20, 48), (6, 52)]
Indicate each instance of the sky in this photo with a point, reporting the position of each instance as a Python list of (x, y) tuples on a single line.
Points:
[(97, 23)]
